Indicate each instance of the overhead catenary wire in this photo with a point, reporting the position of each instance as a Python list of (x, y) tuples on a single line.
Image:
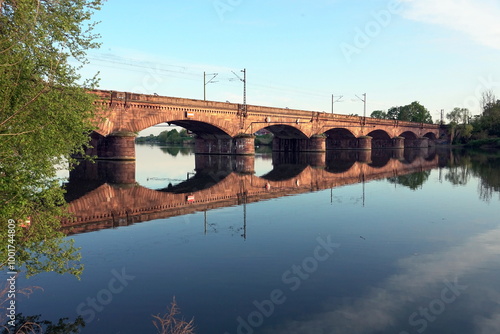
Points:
[(184, 72)]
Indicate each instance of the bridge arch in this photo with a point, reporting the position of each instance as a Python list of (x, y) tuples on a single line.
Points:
[(380, 139), (408, 135), (284, 131), (430, 135), (340, 138), (288, 138), (200, 128)]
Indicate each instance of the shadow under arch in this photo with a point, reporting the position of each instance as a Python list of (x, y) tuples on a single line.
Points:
[(380, 139), (200, 181), (430, 135), (408, 135), (340, 138), (202, 129), (284, 172), (283, 131), (381, 158), (340, 161)]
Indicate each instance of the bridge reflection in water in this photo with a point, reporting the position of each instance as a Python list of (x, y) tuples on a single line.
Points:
[(106, 195)]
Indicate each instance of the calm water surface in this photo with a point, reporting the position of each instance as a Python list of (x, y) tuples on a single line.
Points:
[(415, 253)]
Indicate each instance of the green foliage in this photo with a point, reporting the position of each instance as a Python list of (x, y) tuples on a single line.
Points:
[(486, 142), (266, 139), (459, 116), (482, 165), (33, 324), (413, 112), (380, 114), (167, 137), (412, 181), (490, 119), (45, 118)]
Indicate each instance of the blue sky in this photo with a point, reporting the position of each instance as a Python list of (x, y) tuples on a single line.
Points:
[(299, 52)]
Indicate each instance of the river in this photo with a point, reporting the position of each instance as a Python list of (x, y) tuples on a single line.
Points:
[(348, 242)]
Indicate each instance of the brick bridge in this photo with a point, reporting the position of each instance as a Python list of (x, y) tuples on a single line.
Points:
[(105, 194), (229, 128)]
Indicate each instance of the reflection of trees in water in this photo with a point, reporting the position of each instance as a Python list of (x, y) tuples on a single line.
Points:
[(485, 167), (412, 181), (175, 150), (33, 325), (459, 175), (489, 174)]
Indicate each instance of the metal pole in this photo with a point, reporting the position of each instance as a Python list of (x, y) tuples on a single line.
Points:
[(205, 216), (245, 219), (364, 100), (245, 87)]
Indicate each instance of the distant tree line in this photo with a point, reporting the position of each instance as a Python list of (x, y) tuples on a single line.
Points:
[(167, 137), (478, 130)]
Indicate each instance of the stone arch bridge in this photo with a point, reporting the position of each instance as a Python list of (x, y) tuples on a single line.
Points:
[(229, 128)]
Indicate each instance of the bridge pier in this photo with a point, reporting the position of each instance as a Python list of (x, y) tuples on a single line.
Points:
[(118, 145), (115, 172), (241, 164), (240, 145), (316, 143), (365, 143), (361, 143), (398, 142), (317, 159), (422, 142), (390, 143)]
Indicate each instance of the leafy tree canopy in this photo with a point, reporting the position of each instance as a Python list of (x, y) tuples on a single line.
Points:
[(46, 115), (413, 112), (459, 116), (379, 114)]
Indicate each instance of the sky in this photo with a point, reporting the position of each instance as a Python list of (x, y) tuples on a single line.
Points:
[(298, 53)]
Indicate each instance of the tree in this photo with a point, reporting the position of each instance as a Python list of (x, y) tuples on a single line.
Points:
[(414, 112), (412, 181), (393, 113), (459, 116), (46, 116), (379, 114), (490, 119), (459, 126)]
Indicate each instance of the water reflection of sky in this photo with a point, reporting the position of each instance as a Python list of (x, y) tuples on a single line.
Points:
[(399, 249), (157, 168)]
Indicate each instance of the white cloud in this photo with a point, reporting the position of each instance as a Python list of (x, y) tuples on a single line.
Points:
[(476, 18), (422, 275)]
